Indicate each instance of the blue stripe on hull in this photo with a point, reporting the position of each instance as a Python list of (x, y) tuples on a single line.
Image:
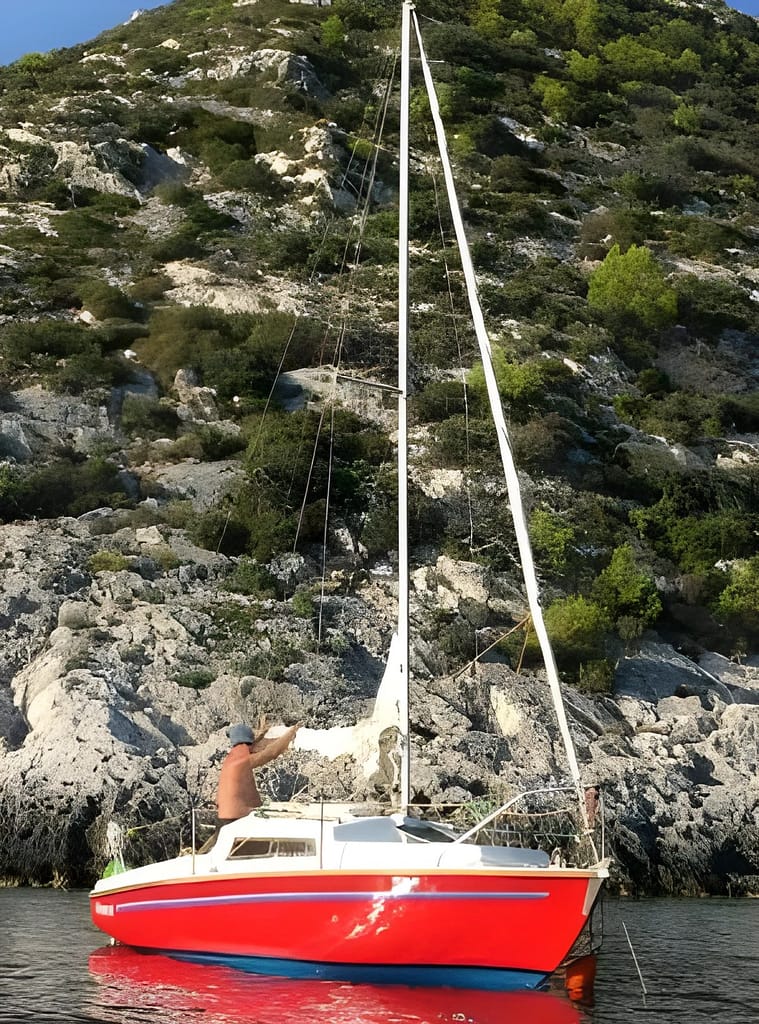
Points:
[(487, 978), (191, 902)]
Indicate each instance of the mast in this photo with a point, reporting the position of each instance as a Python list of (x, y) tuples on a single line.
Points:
[(504, 444), (403, 274)]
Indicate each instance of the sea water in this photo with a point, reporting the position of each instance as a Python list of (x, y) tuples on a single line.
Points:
[(663, 961)]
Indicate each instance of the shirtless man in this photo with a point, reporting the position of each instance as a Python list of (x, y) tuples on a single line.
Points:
[(237, 794)]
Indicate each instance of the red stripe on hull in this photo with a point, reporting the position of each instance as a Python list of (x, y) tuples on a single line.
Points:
[(523, 923)]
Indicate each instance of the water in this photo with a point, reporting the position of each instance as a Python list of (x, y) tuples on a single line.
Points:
[(699, 960)]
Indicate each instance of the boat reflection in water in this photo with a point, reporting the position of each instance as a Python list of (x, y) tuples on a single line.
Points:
[(129, 980)]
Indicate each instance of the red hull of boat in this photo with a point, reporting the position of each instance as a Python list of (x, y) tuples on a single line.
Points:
[(523, 922)]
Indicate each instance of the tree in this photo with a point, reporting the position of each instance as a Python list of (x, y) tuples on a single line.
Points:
[(552, 538), (576, 627), (626, 594), (633, 285), (333, 33), (632, 61), (739, 601), (486, 17), (687, 119), (584, 70), (520, 383), (30, 66), (555, 97)]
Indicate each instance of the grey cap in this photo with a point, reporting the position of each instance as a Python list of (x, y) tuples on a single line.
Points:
[(240, 734)]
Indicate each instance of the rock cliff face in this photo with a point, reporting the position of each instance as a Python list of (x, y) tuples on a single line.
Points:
[(117, 687)]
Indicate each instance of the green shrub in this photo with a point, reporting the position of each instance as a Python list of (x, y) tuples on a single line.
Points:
[(188, 446), (86, 371), (148, 418), (333, 33), (577, 628), (627, 227), (456, 438), (521, 383), (542, 441), (66, 487), (11, 493), (178, 514), (708, 306), (632, 285), (165, 557), (272, 664), (107, 561), (105, 301), (195, 679), (625, 592), (217, 444), (596, 676), (302, 603), (439, 400), (249, 577), (696, 523), (738, 604), (252, 176), (54, 339), (552, 538), (150, 288)]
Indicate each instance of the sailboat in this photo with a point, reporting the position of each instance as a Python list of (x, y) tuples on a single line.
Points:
[(331, 893)]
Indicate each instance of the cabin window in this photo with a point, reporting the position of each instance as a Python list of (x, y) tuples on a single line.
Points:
[(244, 849)]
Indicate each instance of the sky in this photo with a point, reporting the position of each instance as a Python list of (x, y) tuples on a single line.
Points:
[(40, 25)]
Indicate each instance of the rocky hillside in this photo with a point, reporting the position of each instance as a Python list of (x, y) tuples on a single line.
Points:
[(197, 228)]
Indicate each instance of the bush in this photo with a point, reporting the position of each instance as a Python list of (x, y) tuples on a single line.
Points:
[(195, 679), (552, 538), (542, 441), (596, 676), (302, 603), (632, 286), (148, 418), (11, 493), (709, 306), (251, 578), (107, 561), (54, 339), (252, 176), (738, 604), (439, 400), (521, 383), (696, 523), (272, 664), (105, 301), (67, 487), (577, 628), (150, 288), (624, 592)]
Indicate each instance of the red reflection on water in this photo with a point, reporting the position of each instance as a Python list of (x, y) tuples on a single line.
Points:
[(130, 980)]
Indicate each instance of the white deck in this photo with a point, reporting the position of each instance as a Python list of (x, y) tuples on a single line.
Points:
[(333, 842)]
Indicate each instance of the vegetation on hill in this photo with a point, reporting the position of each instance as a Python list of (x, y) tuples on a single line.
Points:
[(607, 153)]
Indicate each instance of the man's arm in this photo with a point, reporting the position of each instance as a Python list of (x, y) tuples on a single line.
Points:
[(265, 750)]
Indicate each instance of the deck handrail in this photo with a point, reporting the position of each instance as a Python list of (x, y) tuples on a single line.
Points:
[(509, 803)]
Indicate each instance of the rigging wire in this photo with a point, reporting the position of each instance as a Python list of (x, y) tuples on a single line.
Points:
[(457, 336), (354, 240), (328, 227), (504, 443), (365, 189)]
